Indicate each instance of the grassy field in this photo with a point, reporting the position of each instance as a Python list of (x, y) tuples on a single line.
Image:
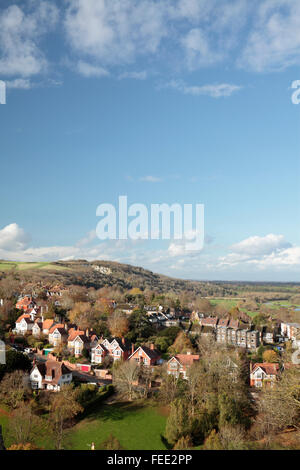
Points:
[(136, 426), (8, 265), (3, 422)]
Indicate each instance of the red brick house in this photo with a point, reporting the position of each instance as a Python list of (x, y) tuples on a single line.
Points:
[(25, 303), (179, 365), (145, 356), (263, 374)]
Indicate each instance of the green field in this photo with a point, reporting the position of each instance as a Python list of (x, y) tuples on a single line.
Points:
[(8, 265), (136, 426)]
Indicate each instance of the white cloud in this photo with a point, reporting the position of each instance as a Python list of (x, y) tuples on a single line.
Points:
[(20, 33), (213, 90), (274, 42), (271, 251), (289, 257), (255, 245), (12, 237), (115, 31), (90, 70), (19, 83), (198, 50)]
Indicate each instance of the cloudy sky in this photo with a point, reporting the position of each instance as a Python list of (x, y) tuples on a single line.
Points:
[(164, 101)]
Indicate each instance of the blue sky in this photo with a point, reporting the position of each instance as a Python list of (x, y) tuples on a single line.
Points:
[(164, 101)]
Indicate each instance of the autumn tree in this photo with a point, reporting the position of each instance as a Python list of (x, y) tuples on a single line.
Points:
[(81, 315), (118, 324), (184, 443), (63, 408), (270, 356), (12, 388), (181, 345)]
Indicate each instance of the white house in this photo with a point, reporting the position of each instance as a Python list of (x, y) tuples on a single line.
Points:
[(24, 324), (50, 375)]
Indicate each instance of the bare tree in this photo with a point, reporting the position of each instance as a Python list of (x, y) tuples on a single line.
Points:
[(12, 388), (125, 378), (64, 407)]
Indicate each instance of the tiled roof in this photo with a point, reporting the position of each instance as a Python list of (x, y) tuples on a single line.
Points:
[(187, 359), (268, 367), (152, 353), (47, 324), (58, 326), (209, 321), (25, 317)]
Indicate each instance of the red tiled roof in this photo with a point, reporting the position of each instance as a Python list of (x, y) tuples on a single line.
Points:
[(24, 316), (58, 325), (209, 321), (47, 324), (268, 367), (187, 359)]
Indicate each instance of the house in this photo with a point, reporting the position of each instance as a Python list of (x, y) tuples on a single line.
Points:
[(50, 375), (37, 329), (179, 365), (241, 337), (290, 330), (98, 354), (263, 374), (79, 340), (57, 334), (24, 324), (209, 321), (268, 335), (25, 303), (145, 356), (118, 348), (47, 324)]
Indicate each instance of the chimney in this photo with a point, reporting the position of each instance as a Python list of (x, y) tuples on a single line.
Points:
[(132, 348), (87, 332), (152, 346), (123, 340)]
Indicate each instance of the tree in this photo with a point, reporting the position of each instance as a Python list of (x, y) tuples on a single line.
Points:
[(270, 356), (63, 408), (203, 306), (14, 361), (213, 441), (177, 423), (184, 443), (181, 345), (233, 437), (279, 406), (125, 378), (81, 315), (139, 326), (118, 324), (171, 388), (12, 388), (24, 427)]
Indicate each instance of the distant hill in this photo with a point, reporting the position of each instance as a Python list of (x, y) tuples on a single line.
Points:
[(99, 274)]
